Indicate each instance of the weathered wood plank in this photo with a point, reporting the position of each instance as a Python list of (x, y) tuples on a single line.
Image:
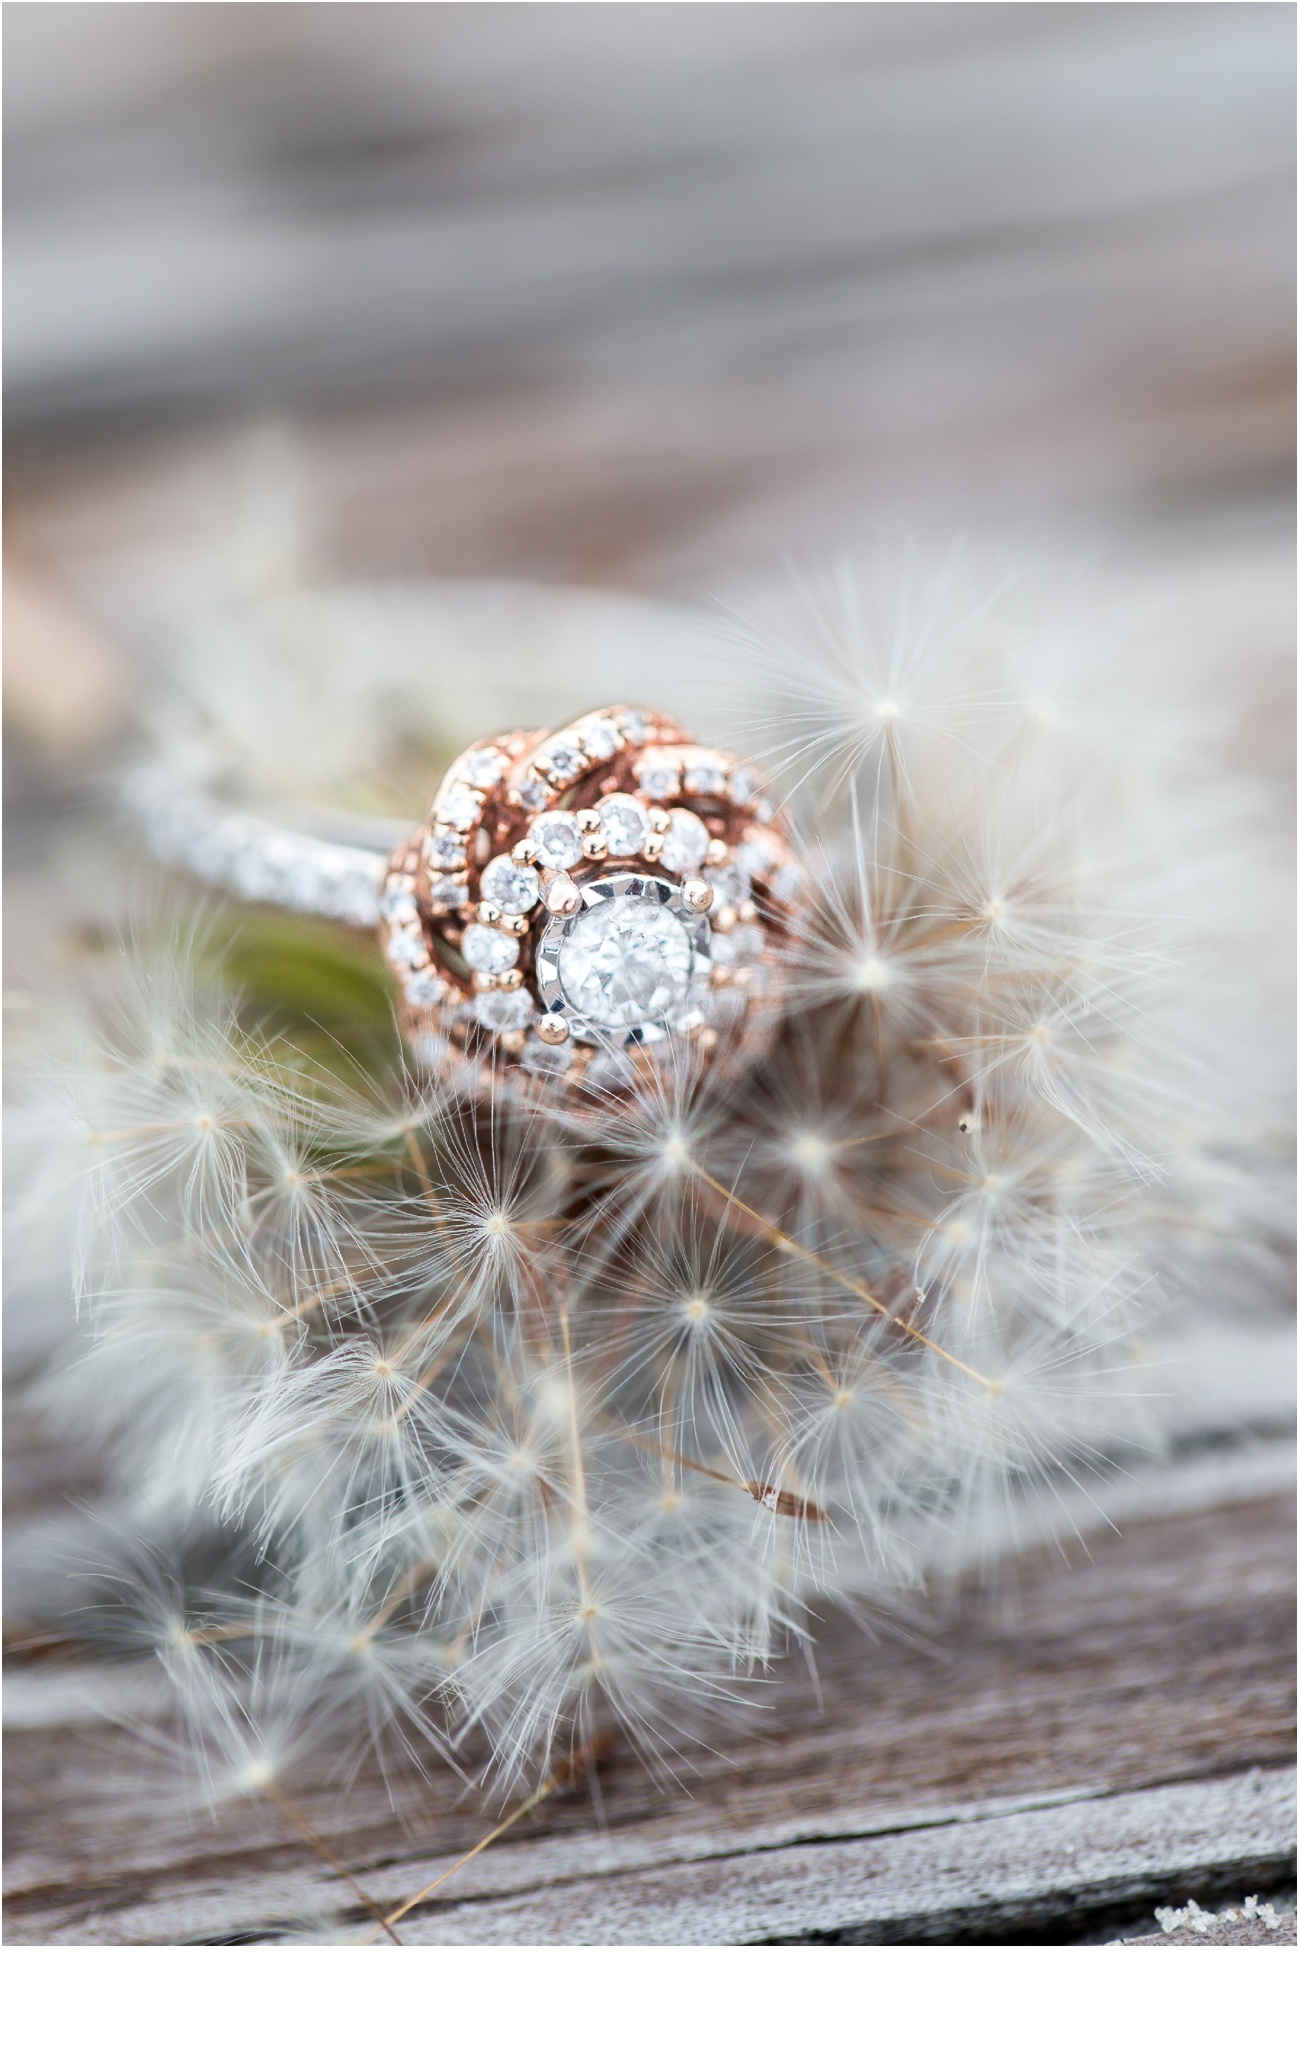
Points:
[(1160, 1664)]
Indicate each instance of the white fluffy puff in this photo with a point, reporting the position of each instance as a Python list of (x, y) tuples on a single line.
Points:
[(525, 1426)]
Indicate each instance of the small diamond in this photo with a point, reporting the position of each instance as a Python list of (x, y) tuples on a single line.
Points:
[(624, 823), (742, 784), (398, 899), (460, 808), (756, 856), (558, 839), (658, 775), (406, 947), (450, 891), (487, 950), (705, 778), (600, 739), (424, 991), (446, 850), (634, 726), (786, 883), (509, 887), (737, 948), (482, 767), (534, 794), (730, 883), (686, 842), (402, 911), (565, 760), (764, 810), (504, 1009)]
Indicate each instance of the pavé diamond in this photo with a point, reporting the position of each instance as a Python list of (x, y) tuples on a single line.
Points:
[(509, 887), (406, 947), (424, 991), (489, 951), (557, 839), (445, 850), (460, 808), (686, 842), (534, 794), (625, 962), (482, 767), (625, 823), (565, 760), (600, 739), (730, 883), (504, 1009)]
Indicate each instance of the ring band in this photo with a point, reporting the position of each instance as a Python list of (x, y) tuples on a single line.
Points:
[(579, 901)]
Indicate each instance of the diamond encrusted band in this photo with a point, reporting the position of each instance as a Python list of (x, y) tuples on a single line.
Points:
[(578, 901), (263, 861)]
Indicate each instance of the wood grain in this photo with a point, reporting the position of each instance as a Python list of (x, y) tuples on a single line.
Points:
[(1137, 1706)]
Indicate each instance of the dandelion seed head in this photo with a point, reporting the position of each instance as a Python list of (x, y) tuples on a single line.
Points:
[(536, 1414)]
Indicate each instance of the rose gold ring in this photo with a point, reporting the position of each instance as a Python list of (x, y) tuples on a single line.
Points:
[(587, 901)]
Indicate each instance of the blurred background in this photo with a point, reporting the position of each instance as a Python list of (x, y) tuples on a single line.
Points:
[(638, 296)]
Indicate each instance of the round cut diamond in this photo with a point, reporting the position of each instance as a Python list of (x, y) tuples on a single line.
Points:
[(487, 950), (481, 767), (737, 948), (406, 947), (565, 760), (705, 778), (686, 842), (398, 900), (446, 850), (658, 775), (534, 793), (460, 808), (624, 822), (557, 839), (424, 991), (730, 883), (626, 962), (504, 1009), (510, 887), (600, 739)]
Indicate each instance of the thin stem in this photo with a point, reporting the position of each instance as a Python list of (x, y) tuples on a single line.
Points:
[(784, 1242), (560, 1776), (314, 1841)]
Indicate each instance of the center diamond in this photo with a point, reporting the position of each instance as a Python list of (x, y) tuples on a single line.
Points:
[(626, 962), (630, 966)]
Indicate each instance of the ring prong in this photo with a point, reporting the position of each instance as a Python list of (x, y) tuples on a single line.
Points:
[(524, 855), (563, 897), (551, 1030), (697, 892), (718, 854)]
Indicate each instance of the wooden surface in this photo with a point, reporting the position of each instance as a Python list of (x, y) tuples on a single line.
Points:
[(1025, 1765)]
